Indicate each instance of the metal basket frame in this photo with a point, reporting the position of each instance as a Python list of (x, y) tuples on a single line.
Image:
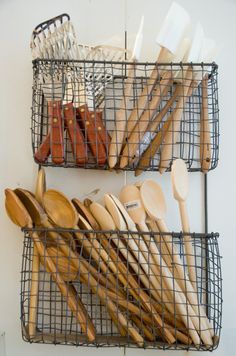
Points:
[(105, 98), (55, 321)]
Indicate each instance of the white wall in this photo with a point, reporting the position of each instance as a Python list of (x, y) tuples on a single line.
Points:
[(96, 21)]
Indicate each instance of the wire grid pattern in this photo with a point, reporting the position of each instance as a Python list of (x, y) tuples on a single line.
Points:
[(151, 310), (138, 120)]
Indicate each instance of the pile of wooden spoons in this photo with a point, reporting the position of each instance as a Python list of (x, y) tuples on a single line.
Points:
[(123, 253)]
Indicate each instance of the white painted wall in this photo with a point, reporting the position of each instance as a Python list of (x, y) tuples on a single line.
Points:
[(96, 21)]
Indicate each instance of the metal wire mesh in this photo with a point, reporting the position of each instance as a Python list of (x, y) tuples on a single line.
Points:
[(127, 302), (96, 114)]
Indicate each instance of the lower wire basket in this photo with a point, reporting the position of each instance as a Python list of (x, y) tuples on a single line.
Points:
[(92, 289)]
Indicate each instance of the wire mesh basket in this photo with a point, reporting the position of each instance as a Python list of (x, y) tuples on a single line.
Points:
[(120, 299), (124, 115)]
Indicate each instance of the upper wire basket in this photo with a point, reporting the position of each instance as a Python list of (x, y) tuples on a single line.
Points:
[(124, 115), (107, 288)]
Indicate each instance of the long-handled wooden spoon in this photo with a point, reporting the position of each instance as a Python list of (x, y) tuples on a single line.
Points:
[(40, 188), (154, 203), (180, 184), (131, 198), (20, 216)]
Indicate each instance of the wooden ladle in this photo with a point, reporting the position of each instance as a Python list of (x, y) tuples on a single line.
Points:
[(154, 203), (20, 216), (180, 187)]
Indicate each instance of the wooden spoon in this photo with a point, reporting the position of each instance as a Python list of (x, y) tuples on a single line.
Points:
[(20, 216), (62, 212), (154, 203), (180, 186), (40, 186), (131, 198), (84, 211)]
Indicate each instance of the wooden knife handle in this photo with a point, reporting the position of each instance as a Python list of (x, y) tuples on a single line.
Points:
[(75, 135), (91, 134), (57, 144), (43, 151), (102, 131), (205, 138)]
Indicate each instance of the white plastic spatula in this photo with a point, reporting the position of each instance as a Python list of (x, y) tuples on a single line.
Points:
[(121, 119), (180, 187), (172, 31)]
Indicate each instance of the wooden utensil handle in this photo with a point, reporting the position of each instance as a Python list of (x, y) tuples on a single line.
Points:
[(102, 131), (171, 135), (139, 130), (170, 255), (146, 92), (75, 304), (188, 246), (75, 135), (43, 151), (112, 308), (57, 140), (34, 294), (136, 291), (205, 136), (91, 133), (121, 120), (153, 148)]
